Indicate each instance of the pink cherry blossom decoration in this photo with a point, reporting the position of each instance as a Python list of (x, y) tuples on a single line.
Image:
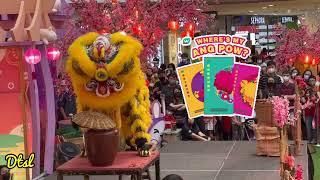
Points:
[(280, 111), (299, 173), (290, 161), (88, 15)]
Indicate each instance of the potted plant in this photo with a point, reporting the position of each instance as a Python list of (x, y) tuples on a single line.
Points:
[(101, 137)]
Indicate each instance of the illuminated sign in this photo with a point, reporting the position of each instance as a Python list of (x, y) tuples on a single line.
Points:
[(186, 41), (258, 20), (286, 19), (220, 44)]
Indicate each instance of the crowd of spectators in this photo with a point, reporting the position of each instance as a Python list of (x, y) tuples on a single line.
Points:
[(163, 83)]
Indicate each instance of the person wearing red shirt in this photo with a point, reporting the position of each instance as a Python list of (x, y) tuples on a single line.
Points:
[(309, 105)]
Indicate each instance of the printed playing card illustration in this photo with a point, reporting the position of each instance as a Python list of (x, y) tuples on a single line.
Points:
[(218, 85), (245, 88), (191, 80)]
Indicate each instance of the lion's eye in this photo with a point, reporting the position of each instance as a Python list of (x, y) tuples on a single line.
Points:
[(112, 55)]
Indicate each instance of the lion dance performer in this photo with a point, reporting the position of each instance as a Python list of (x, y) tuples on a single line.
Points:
[(107, 77)]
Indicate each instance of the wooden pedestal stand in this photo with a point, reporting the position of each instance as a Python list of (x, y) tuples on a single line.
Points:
[(283, 150)]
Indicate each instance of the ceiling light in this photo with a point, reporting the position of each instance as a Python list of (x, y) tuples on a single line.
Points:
[(250, 11), (270, 5), (289, 10), (256, 14), (264, 7)]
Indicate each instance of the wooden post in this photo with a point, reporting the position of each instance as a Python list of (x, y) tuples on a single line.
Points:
[(297, 109), (23, 102), (283, 150), (173, 47)]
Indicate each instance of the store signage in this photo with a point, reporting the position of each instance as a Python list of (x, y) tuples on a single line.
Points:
[(258, 20), (186, 41), (251, 29), (220, 44), (286, 19)]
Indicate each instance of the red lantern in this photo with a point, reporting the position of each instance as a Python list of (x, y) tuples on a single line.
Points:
[(53, 54), (183, 34), (187, 34), (173, 25), (137, 29), (314, 62), (114, 1), (190, 27), (32, 56), (190, 33), (306, 59)]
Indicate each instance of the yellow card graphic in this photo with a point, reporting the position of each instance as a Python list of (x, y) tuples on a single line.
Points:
[(192, 83)]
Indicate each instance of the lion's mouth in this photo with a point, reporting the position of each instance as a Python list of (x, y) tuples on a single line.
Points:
[(104, 88)]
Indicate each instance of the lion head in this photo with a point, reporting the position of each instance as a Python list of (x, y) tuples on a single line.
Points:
[(105, 69)]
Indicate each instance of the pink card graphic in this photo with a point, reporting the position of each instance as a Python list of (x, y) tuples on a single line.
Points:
[(245, 88)]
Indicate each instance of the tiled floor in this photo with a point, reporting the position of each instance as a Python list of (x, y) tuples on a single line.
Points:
[(214, 161)]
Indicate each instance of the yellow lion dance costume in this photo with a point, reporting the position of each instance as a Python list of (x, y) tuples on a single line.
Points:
[(107, 77)]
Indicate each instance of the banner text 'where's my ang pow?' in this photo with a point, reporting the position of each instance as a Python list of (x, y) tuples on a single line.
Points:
[(220, 44)]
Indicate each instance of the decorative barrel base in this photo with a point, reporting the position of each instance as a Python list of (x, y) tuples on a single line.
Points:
[(101, 146)]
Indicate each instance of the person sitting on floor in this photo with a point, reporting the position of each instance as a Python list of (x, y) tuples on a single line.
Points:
[(172, 177), (191, 131)]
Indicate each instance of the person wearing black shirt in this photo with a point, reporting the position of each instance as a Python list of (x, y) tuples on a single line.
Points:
[(67, 103), (159, 85), (184, 60), (271, 72), (178, 108), (168, 89), (190, 131), (270, 90)]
